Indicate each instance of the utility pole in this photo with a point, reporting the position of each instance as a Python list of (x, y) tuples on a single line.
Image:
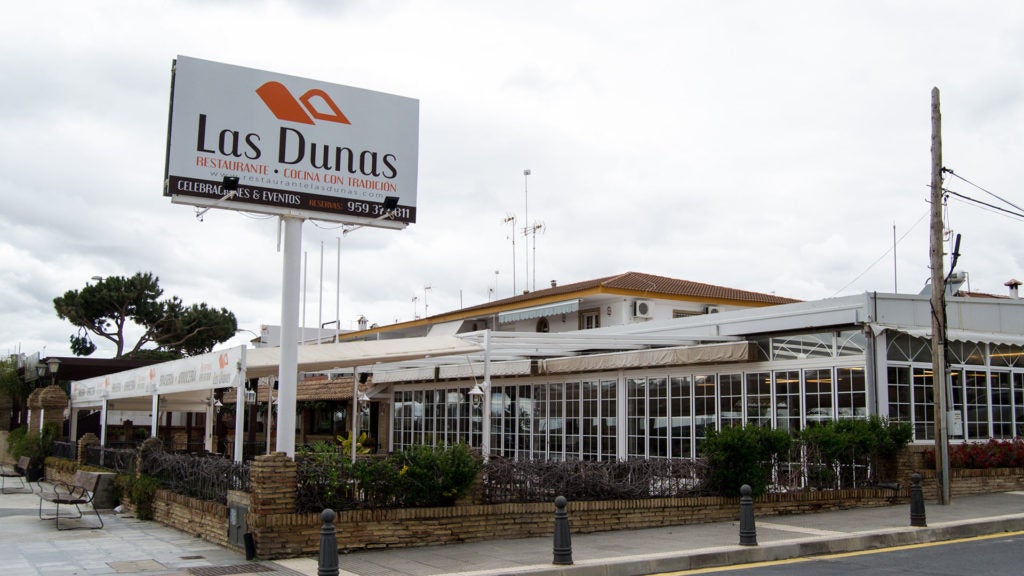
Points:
[(938, 306)]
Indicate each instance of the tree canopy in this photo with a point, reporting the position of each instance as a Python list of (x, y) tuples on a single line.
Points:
[(106, 308)]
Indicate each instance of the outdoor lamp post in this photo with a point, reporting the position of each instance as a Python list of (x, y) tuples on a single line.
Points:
[(52, 365)]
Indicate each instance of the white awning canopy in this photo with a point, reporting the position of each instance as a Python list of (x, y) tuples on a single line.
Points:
[(320, 357), (565, 307), (955, 335)]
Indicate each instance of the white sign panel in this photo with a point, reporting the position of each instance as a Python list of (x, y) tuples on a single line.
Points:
[(297, 146), (205, 372)]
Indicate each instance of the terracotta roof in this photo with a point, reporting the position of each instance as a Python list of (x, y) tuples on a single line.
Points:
[(312, 389), (648, 284)]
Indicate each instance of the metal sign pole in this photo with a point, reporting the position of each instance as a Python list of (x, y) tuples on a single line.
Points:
[(289, 369)]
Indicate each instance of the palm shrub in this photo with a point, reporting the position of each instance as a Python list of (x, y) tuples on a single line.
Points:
[(742, 455)]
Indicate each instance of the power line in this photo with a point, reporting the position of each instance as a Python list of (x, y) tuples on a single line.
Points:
[(884, 254), (992, 194), (986, 205)]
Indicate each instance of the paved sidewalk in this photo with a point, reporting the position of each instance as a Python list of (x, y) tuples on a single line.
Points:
[(674, 548), (125, 545), (29, 546)]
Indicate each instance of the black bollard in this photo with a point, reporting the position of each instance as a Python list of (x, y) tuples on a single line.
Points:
[(327, 564), (917, 514), (748, 531), (563, 540)]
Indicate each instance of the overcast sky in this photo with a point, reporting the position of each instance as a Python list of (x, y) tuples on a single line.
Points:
[(767, 146)]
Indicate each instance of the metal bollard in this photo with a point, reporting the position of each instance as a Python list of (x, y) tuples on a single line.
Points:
[(917, 514), (563, 540), (327, 564), (748, 531)]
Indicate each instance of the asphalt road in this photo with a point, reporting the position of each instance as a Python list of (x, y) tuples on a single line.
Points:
[(996, 555)]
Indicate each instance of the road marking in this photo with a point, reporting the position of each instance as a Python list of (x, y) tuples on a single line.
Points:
[(839, 555)]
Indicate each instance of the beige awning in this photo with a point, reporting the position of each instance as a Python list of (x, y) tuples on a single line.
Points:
[(676, 356), (319, 357)]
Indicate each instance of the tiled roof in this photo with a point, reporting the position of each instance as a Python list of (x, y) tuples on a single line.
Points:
[(312, 389), (648, 285)]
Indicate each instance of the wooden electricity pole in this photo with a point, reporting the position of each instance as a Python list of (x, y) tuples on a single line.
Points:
[(938, 306)]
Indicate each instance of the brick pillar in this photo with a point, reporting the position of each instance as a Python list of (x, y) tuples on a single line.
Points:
[(34, 411), (87, 439), (53, 401), (273, 478)]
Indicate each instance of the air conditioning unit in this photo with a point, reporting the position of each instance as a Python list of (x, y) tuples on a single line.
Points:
[(643, 309), (712, 309)]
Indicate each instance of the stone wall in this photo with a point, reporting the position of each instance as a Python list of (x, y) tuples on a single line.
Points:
[(206, 520)]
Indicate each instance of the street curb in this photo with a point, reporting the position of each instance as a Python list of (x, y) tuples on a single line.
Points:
[(783, 550)]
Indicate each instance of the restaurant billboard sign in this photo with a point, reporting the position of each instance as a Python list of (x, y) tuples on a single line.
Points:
[(297, 147)]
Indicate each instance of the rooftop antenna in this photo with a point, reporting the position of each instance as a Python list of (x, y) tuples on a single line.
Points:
[(526, 221), (512, 218)]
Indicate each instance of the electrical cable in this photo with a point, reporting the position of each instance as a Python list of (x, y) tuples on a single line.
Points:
[(884, 254)]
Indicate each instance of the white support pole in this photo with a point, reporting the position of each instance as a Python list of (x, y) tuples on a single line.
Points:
[(211, 415), (154, 421), (73, 424), (103, 423), (355, 411), (288, 372), (240, 410), (485, 440)]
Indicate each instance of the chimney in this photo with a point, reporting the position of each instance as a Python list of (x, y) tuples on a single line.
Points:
[(363, 322), (554, 283), (1013, 284)]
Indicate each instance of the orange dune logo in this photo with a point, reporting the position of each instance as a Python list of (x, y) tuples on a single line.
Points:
[(223, 361), (302, 110)]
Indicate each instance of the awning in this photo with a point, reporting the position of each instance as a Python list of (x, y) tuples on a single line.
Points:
[(678, 356), (956, 335), (319, 357), (565, 307)]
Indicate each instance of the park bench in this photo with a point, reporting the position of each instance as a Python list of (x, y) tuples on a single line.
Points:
[(80, 491), (18, 471)]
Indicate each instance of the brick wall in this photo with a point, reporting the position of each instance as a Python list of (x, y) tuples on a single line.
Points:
[(207, 520), (282, 535)]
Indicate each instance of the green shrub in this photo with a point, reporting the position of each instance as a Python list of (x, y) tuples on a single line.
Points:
[(742, 455), (436, 476), (36, 445), (142, 493), (835, 449)]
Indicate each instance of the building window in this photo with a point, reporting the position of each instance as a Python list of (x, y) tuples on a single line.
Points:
[(543, 325), (851, 393), (590, 319), (818, 396)]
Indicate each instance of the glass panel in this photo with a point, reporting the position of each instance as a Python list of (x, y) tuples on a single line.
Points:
[(923, 399), (1002, 405), (524, 416), (899, 394), (609, 419), (788, 406), (1018, 403), (970, 353), (591, 420), (657, 417), (636, 417), (730, 388), (704, 407), (976, 395), (572, 421), (818, 396), (540, 421), (555, 412), (851, 393), (682, 421), (852, 343), (1006, 355), (497, 412), (801, 346), (759, 399)]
